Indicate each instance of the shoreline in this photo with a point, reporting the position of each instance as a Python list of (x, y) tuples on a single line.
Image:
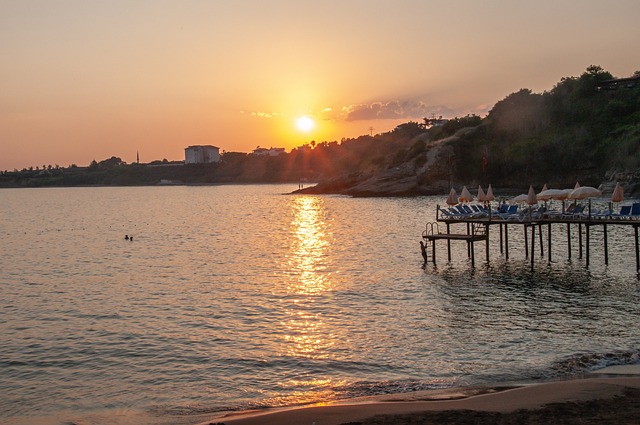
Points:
[(611, 385)]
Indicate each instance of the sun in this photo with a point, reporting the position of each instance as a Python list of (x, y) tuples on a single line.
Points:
[(305, 123)]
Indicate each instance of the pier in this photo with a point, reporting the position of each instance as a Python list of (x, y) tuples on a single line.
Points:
[(479, 227)]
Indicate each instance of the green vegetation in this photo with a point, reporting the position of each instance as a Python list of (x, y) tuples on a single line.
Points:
[(582, 129)]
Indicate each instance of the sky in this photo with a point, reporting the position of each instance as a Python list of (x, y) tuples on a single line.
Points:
[(83, 79)]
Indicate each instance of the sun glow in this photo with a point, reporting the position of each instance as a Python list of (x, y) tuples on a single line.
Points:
[(305, 123)]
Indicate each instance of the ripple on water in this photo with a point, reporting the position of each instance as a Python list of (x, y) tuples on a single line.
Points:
[(236, 296)]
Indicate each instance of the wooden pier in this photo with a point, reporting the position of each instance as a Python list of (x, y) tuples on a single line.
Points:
[(478, 230)]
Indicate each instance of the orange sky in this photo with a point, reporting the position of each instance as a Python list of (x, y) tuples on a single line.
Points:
[(84, 79)]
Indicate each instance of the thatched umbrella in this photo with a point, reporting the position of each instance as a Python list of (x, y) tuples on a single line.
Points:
[(466, 196), (452, 199), (618, 193), (490, 196), (531, 196), (481, 195)]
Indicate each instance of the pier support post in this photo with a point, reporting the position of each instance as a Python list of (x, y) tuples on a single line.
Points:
[(635, 228), (448, 242), (486, 226), (433, 251), (587, 228), (541, 244), (469, 247), (569, 239), (533, 240), (580, 240), (606, 245), (549, 241), (506, 241), (501, 249), (473, 255)]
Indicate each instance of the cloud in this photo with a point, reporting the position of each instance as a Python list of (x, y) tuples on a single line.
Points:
[(394, 109), (260, 114)]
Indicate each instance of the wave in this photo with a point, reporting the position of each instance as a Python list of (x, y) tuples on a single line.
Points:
[(589, 362), (575, 365)]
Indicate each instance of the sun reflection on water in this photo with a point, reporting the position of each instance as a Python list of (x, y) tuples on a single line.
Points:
[(309, 247), (307, 296)]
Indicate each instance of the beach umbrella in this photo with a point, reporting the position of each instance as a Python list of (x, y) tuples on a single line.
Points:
[(544, 195), (489, 195), (584, 192), (557, 194), (481, 196), (618, 193), (576, 186), (544, 188), (520, 199), (466, 196), (531, 196), (452, 199), (565, 195)]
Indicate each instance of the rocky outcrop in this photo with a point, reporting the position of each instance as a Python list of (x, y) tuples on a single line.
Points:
[(428, 175)]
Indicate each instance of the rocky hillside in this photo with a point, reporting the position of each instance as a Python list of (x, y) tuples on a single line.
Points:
[(584, 129)]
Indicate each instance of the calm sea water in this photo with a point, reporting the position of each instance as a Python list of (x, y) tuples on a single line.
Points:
[(235, 297)]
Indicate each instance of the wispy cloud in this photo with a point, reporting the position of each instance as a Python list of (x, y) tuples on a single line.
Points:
[(260, 114), (393, 109), (380, 110)]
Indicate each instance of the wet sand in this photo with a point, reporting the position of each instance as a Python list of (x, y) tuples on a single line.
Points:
[(610, 396)]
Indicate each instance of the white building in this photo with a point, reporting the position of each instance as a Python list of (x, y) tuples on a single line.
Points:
[(271, 151), (201, 154)]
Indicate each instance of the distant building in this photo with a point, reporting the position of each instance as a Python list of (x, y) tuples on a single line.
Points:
[(201, 154), (271, 151), (630, 82)]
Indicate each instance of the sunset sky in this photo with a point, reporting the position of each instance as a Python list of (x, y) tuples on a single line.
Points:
[(83, 79)]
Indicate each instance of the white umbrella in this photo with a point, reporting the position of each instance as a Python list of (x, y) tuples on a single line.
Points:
[(576, 186), (584, 192), (520, 199), (618, 193), (481, 196), (531, 196), (452, 199), (490, 196), (466, 196), (557, 194)]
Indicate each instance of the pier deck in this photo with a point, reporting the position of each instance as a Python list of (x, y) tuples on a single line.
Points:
[(478, 229)]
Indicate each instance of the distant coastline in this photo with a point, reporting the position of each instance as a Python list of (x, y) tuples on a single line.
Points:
[(586, 129)]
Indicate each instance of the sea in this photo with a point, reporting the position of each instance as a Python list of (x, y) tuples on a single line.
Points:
[(178, 304)]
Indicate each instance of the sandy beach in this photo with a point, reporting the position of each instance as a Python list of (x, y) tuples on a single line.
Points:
[(610, 396)]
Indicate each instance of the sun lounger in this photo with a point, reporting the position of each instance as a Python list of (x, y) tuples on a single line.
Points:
[(635, 211), (574, 212), (511, 213), (625, 212), (447, 213)]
